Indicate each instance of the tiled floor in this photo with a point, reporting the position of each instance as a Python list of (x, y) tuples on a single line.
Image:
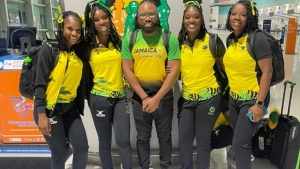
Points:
[(218, 161), (292, 68)]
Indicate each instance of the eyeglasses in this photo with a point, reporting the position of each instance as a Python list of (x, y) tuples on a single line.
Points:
[(151, 15)]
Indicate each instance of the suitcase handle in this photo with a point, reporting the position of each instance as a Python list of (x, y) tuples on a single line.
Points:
[(290, 82), (283, 97)]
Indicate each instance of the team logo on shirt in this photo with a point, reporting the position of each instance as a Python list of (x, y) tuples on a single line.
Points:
[(145, 50), (204, 47), (211, 111), (243, 48)]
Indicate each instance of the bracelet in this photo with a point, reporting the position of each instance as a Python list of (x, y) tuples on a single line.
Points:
[(145, 98), (260, 103)]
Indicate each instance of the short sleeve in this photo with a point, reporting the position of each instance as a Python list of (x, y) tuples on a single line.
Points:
[(126, 53), (262, 48), (174, 51)]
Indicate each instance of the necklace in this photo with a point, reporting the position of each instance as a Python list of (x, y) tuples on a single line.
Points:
[(188, 42), (101, 45)]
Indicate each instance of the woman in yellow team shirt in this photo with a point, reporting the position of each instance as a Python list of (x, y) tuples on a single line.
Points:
[(248, 86), (59, 97), (106, 94), (198, 107)]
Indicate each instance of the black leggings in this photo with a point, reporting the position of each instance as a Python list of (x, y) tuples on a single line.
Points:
[(108, 114), (66, 128), (243, 130), (196, 119)]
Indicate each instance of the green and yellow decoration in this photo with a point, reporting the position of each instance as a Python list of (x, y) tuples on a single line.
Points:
[(58, 15), (195, 3)]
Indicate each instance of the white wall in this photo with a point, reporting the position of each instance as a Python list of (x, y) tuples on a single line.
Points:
[(222, 19), (78, 7), (215, 16), (175, 20), (206, 12)]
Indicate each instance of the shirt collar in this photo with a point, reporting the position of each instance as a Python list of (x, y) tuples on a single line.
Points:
[(200, 36)]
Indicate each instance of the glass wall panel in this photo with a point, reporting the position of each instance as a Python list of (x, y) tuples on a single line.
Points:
[(38, 1), (41, 35), (54, 20), (39, 17), (55, 2), (16, 14)]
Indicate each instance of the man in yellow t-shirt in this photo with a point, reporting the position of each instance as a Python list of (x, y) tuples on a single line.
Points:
[(144, 69)]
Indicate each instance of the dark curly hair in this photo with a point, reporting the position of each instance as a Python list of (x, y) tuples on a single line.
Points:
[(182, 33), (90, 27), (252, 20), (136, 22), (60, 38)]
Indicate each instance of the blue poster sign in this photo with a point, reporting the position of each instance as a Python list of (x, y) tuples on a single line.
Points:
[(282, 35), (267, 26), (39, 150)]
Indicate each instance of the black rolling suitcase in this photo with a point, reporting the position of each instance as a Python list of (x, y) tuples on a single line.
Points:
[(286, 144)]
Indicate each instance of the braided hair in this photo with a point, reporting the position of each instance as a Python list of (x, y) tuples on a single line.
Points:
[(136, 22), (252, 20), (60, 38), (90, 27), (182, 33)]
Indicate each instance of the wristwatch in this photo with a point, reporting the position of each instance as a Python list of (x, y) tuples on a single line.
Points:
[(260, 103)]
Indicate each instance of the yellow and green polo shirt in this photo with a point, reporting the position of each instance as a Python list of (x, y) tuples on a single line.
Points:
[(241, 68), (107, 71), (197, 73)]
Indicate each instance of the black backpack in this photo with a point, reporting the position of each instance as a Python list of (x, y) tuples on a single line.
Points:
[(28, 71), (218, 50), (277, 56), (216, 47), (262, 141)]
